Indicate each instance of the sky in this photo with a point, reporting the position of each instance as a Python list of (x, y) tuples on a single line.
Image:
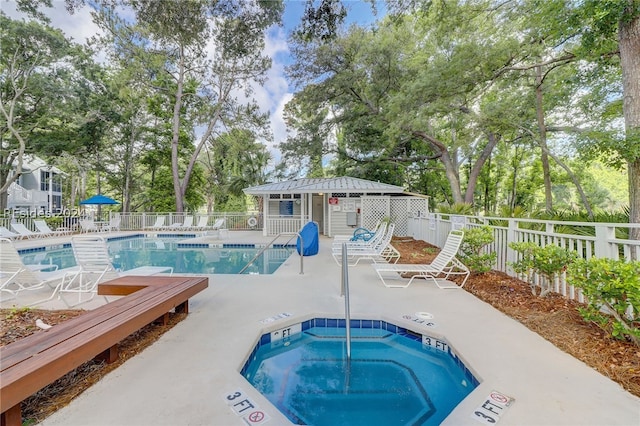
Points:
[(271, 97)]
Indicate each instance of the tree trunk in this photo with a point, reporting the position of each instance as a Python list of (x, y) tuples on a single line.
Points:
[(477, 167), (450, 166), (629, 43), (542, 142), (576, 182), (175, 151)]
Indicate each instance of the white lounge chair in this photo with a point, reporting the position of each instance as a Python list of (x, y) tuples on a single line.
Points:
[(203, 223), (219, 224), (24, 232), (159, 224), (88, 225), (444, 265), (360, 234), (15, 276), (380, 251), (45, 230), (113, 225), (92, 257), (370, 243), (188, 223), (5, 233)]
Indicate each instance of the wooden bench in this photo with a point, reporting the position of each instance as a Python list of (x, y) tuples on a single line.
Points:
[(35, 361)]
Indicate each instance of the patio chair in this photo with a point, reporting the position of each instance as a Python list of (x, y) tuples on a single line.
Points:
[(24, 232), (444, 265), (380, 251), (219, 224), (92, 257), (88, 225), (5, 233), (45, 230), (113, 225), (15, 276), (370, 243), (360, 234), (203, 223), (188, 223), (159, 224)]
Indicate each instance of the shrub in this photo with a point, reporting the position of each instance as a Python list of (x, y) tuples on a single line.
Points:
[(472, 249), (547, 262), (612, 289)]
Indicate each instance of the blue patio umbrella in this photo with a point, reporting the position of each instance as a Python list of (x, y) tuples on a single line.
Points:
[(99, 200)]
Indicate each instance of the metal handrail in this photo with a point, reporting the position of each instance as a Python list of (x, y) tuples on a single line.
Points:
[(271, 242), (345, 293)]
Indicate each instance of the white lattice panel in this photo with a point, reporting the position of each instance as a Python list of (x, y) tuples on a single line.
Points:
[(374, 209), (397, 209)]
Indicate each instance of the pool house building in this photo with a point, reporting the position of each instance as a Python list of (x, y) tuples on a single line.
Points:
[(339, 205)]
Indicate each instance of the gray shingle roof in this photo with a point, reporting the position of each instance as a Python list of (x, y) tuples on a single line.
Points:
[(338, 184)]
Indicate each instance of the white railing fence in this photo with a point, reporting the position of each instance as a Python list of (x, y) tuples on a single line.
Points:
[(588, 239), (285, 225), (234, 221)]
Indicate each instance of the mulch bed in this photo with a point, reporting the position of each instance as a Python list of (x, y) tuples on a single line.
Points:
[(18, 323)]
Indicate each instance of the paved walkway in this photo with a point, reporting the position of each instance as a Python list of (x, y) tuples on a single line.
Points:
[(184, 377)]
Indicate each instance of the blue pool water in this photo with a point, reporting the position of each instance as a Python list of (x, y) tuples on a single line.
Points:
[(392, 378), (131, 253)]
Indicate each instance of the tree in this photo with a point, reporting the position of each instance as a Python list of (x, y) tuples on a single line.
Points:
[(235, 161), (406, 91), (201, 86), (38, 65), (609, 31)]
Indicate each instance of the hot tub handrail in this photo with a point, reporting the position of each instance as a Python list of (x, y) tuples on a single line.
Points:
[(345, 293), (263, 249)]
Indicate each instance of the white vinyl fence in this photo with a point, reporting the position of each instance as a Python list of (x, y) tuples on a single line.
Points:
[(588, 239), (140, 221)]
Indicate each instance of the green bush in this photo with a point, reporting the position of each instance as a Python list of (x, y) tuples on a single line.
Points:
[(547, 262), (472, 247), (612, 289)]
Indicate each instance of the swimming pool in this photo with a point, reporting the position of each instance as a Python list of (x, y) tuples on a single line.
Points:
[(184, 257), (394, 377)]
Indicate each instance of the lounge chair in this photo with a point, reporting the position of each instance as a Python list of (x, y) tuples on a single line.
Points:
[(380, 251), (203, 223), (92, 257), (45, 230), (360, 234), (370, 243), (5, 233), (188, 223), (219, 224), (24, 232), (88, 225), (15, 276), (444, 265), (113, 225), (159, 224)]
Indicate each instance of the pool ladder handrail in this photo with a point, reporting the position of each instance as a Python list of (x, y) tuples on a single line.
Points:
[(292, 234)]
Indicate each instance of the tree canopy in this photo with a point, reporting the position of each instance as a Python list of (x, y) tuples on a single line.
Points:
[(497, 105)]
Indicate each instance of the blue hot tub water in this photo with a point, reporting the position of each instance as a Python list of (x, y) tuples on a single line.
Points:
[(393, 378)]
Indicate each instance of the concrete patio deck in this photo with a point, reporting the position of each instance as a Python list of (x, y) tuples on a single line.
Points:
[(183, 378)]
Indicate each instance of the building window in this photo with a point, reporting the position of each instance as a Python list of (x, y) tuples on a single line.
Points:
[(286, 208), (45, 176)]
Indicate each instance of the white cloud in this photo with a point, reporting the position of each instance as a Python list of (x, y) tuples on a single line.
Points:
[(79, 26)]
